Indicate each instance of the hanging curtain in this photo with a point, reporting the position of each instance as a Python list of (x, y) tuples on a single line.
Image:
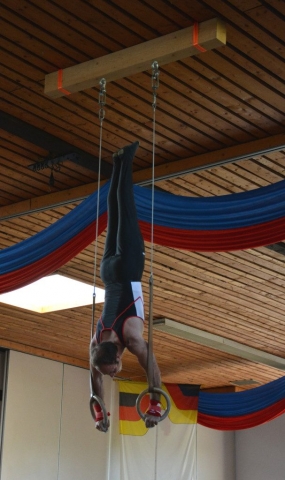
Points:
[(159, 456)]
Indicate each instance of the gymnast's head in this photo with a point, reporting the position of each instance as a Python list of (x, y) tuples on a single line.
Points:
[(105, 358)]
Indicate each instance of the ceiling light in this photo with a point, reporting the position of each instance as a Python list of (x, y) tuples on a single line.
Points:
[(51, 293), (217, 342), (245, 383)]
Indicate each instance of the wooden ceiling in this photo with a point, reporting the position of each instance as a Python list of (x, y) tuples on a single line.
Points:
[(217, 106)]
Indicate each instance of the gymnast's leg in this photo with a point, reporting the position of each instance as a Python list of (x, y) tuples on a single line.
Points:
[(113, 221), (130, 244)]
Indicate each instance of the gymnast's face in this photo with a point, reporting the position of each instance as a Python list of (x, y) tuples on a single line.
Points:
[(112, 369)]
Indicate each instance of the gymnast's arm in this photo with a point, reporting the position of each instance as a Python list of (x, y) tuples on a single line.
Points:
[(136, 344), (97, 382)]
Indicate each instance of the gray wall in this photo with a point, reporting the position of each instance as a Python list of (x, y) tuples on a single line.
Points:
[(260, 452), (46, 402), (216, 454)]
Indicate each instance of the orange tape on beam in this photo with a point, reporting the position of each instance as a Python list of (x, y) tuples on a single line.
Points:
[(59, 83), (195, 38)]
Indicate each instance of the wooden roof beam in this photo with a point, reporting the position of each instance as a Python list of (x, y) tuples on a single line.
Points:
[(139, 58), (144, 177)]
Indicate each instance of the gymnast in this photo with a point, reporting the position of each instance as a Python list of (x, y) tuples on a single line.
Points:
[(122, 321)]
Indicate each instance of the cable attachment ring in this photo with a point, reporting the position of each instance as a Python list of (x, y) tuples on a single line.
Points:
[(154, 82), (102, 99)]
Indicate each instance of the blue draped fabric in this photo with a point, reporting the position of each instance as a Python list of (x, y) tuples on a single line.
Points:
[(55, 236), (240, 410), (212, 224), (213, 213), (242, 403), (226, 212)]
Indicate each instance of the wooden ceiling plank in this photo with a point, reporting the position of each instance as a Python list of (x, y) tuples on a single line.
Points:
[(246, 5), (259, 281), (21, 41), (252, 328), (237, 98), (278, 5), (256, 172), (15, 64), (211, 101), (264, 17), (228, 324), (39, 108), (53, 144), (105, 18), (105, 27), (168, 10), (20, 147), (169, 48), (266, 340), (234, 297), (197, 283), (250, 35), (38, 183), (195, 9), (225, 177), (246, 75), (274, 162), (174, 78), (169, 121), (33, 117), (184, 297), (190, 185), (269, 68), (135, 126), (84, 39), (254, 260), (171, 95), (228, 291), (205, 183), (39, 352), (227, 155)]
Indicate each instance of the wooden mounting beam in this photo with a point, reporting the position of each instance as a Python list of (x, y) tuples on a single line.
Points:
[(144, 177), (139, 58)]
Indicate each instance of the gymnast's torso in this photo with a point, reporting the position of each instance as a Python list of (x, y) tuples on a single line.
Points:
[(122, 301)]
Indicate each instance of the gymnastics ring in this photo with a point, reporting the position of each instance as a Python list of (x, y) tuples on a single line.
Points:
[(93, 399), (153, 390)]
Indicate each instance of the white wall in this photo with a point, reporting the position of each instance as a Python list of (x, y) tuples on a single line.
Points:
[(2, 370), (48, 430), (32, 414), (260, 452), (3, 356), (83, 450), (215, 454), (49, 433)]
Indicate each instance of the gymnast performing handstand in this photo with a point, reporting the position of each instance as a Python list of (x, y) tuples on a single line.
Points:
[(122, 321)]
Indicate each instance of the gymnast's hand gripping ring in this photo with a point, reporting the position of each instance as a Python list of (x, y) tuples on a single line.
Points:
[(93, 399), (153, 390)]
